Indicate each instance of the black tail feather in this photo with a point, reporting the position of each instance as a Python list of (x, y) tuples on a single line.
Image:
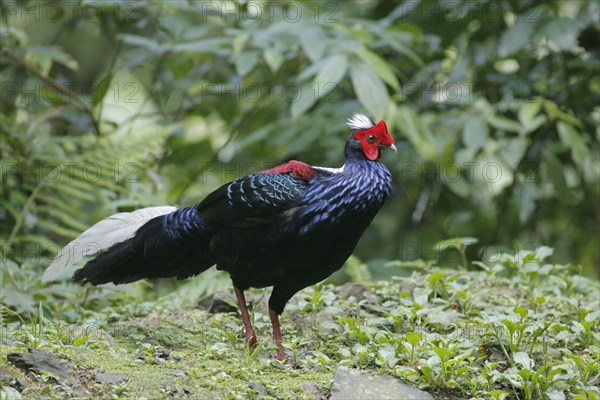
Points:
[(116, 265), (151, 253)]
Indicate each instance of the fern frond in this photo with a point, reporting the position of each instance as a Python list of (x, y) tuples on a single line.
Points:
[(358, 271)]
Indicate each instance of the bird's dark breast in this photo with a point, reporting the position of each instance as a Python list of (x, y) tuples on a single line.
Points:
[(260, 257), (304, 244)]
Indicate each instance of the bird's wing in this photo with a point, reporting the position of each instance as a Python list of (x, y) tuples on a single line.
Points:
[(257, 198)]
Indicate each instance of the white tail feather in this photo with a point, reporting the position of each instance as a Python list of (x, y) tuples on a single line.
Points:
[(111, 230)]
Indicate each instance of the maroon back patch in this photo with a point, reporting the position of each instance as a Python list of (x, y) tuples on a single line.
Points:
[(297, 168)]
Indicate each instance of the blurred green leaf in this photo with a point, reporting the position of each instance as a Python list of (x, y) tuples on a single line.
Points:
[(516, 37), (274, 58), (418, 134), (307, 97), (503, 123), (554, 172), (475, 133), (245, 62), (513, 150), (137, 40), (210, 45), (380, 66), (526, 196), (455, 243), (400, 41), (436, 277), (49, 54), (572, 139), (563, 31), (523, 358), (332, 72), (528, 111), (413, 338), (369, 88), (313, 43), (100, 89), (543, 252)]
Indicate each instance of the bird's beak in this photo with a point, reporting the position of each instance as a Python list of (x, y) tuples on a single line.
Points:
[(391, 147)]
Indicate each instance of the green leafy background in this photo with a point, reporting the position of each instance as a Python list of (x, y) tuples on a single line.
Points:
[(114, 106)]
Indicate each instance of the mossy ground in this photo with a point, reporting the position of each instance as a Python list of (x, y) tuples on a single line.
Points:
[(456, 334), (168, 353)]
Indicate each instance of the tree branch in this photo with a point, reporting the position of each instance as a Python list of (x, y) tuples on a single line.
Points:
[(59, 87)]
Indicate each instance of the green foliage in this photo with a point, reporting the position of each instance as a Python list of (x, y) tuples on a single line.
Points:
[(493, 105), (518, 339)]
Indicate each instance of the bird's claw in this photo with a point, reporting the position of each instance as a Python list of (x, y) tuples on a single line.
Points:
[(251, 341), (286, 358), (280, 356)]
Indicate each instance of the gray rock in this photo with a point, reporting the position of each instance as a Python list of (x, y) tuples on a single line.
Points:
[(38, 361), (219, 302), (351, 289), (312, 388), (111, 378), (93, 333), (355, 292), (11, 393), (161, 352), (355, 384), (8, 378), (177, 372), (262, 392)]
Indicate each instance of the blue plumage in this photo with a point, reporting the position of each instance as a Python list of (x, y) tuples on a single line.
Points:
[(185, 224), (304, 236), (288, 227)]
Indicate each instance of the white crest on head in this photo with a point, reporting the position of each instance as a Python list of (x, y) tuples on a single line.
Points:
[(360, 122)]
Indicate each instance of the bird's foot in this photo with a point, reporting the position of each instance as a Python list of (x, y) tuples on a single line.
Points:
[(280, 356), (286, 359), (251, 341)]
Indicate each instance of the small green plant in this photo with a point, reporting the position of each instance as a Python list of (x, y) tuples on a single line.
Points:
[(460, 245), (411, 346)]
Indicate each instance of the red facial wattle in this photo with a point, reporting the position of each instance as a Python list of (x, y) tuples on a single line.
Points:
[(373, 150)]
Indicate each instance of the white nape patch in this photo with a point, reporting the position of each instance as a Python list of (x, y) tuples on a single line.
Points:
[(332, 170), (360, 122)]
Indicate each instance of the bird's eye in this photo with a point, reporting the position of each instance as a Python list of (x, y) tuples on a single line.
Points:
[(371, 138)]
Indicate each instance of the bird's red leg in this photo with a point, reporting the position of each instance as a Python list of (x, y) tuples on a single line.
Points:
[(277, 333), (250, 336)]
